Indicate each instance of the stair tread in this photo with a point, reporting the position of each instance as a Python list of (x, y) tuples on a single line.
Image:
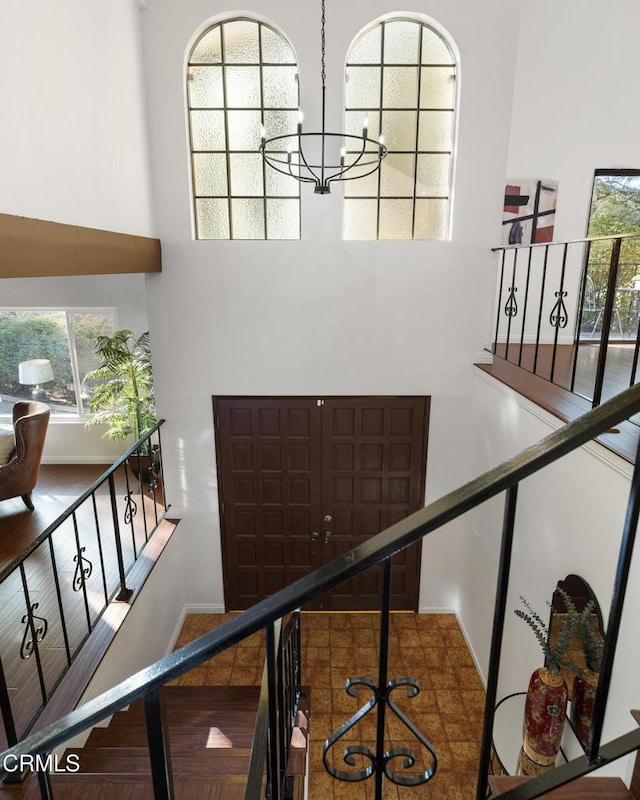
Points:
[(141, 779), (204, 736), (136, 716), (202, 722), (591, 788), (125, 760), (224, 694), (139, 788)]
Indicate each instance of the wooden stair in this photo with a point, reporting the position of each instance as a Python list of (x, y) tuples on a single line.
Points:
[(210, 735), (592, 788)]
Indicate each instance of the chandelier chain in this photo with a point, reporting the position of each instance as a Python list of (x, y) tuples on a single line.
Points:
[(322, 21), (321, 164)]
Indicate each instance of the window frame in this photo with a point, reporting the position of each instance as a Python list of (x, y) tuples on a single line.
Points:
[(80, 414), (227, 152), (378, 112)]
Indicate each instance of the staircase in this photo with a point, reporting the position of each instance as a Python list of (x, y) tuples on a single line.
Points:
[(204, 725), (210, 735)]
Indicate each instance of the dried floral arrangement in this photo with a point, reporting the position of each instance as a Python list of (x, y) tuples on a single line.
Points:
[(555, 654)]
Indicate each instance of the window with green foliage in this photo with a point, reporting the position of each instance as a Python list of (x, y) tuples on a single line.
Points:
[(615, 209), (241, 74), (401, 76), (66, 338), (615, 202)]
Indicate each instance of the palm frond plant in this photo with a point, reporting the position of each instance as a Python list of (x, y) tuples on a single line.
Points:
[(123, 396)]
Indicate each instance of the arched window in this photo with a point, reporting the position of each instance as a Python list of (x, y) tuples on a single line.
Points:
[(401, 74), (241, 74)]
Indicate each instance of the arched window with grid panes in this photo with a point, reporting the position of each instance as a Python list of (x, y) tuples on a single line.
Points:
[(401, 75), (241, 74)]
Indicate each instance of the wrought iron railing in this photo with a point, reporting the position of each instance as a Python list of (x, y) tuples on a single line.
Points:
[(56, 590), (380, 549), (277, 710), (569, 312)]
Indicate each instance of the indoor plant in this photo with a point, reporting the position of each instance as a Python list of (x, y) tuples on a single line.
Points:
[(547, 695), (123, 396)]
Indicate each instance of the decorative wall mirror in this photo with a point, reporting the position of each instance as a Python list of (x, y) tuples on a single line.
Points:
[(584, 651)]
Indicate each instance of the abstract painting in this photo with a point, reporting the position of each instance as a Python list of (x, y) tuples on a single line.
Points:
[(529, 211)]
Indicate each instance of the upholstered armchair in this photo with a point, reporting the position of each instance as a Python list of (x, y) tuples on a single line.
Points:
[(19, 475)]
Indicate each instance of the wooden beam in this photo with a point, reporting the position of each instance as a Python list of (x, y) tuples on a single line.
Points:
[(34, 248)]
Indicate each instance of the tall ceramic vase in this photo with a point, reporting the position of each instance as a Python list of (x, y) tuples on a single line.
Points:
[(545, 712), (584, 695)]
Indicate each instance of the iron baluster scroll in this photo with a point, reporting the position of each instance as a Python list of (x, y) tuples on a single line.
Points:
[(130, 507), (511, 306), (380, 762), (559, 317), (38, 631), (84, 568)]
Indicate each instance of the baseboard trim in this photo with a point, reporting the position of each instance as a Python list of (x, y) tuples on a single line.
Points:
[(204, 608), (476, 662), (191, 608), (176, 632)]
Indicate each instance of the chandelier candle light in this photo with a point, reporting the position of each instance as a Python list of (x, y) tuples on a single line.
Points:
[(360, 160)]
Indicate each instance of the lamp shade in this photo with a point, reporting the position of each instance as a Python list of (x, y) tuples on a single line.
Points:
[(37, 370)]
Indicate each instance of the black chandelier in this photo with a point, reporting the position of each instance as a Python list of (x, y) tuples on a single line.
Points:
[(359, 155)]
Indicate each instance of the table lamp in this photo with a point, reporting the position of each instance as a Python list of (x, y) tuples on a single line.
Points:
[(34, 373)]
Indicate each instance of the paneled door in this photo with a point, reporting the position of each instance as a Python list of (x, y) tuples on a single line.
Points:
[(302, 480)]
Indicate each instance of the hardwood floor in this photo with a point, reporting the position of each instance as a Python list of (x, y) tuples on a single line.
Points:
[(556, 398), (558, 369), (66, 581), (58, 486)]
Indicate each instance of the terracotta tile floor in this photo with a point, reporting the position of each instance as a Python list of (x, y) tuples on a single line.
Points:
[(430, 648)]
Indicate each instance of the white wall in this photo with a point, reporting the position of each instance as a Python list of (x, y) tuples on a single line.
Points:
[(577, 69), (569, 520), (73, 149), (574, 109), (322, 316), (74, 145), (573, 112), (319, 321), (150, 628)]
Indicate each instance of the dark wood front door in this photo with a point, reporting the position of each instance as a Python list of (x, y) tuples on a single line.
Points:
[(302, 480)]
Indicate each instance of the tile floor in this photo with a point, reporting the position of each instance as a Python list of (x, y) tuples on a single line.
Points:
[(430, 648)]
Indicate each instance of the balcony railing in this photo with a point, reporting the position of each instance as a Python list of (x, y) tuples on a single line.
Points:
[(266, 614), (55, 592), (569, 312)]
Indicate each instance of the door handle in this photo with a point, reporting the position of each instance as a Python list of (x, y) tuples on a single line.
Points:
[(327, 537), (315, 536)]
